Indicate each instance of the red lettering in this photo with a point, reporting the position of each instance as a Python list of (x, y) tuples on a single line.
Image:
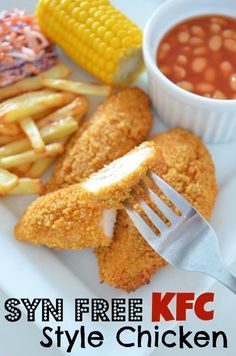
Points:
[(183, 304), (160, 306), (200, 303)]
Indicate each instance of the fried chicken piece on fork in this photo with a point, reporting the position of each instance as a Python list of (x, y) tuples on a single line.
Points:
[(129, 262), (83, 214)]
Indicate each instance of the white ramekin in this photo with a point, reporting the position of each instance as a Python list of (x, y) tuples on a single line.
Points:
[(213, 120)]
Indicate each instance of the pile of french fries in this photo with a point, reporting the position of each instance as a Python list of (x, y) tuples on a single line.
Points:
[(37, 116)]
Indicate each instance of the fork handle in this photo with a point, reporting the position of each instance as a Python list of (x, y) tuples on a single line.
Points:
[(225, 276)]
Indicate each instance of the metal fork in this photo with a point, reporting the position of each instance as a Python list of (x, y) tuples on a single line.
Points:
[(189, 242)]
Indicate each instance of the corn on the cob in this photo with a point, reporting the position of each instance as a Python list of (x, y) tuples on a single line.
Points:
[(96, 36)]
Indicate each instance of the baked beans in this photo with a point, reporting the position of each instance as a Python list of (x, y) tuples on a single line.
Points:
[(199, 55)]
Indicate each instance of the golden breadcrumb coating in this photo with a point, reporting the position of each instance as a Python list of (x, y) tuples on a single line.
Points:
[(129, 262), (65, 219), (113, 184), (120, 123)]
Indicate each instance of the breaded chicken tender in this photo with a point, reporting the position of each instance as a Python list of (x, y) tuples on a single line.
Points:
[(120, 123), (129, 262), (77, 216)]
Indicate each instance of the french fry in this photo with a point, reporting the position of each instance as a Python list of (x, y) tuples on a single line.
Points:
[(7, 181), (38, 168), (78, 87), (52, 150), (59, 71), (31, 103), (34, 117), (9, 129), (31, 130), (77, 109), (41, 115), (27, 186), (18, 146), (49, 134), (5, 139), (22, 170), (59, 130)]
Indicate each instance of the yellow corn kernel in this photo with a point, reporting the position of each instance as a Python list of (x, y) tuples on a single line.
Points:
[(96, 36)]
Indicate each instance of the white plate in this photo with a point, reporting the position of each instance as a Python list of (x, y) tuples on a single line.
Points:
[(28, 271)]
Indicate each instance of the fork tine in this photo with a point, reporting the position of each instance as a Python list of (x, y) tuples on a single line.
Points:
[(143, 228), (163, 207), (155, 219), (181, 203)]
